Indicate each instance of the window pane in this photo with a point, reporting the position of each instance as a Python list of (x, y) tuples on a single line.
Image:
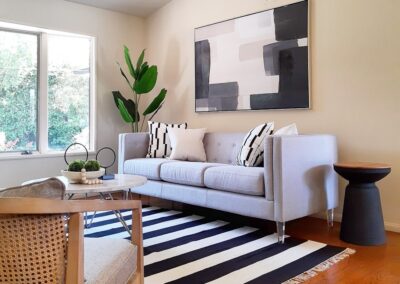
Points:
[(68, 91), (18, 91)]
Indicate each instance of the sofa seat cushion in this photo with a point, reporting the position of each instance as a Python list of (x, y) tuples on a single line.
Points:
[(108, 260), (188, 173), (237, 179), (147, 167)]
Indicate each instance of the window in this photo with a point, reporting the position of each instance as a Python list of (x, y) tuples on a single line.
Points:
[(68, 91), (18, 91), (46, 90)]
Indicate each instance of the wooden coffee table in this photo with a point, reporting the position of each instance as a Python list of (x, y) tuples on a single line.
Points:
[(362, 219)]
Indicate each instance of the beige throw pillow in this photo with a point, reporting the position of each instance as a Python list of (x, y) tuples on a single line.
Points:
[(290, 129), (187, 144), (159, 144)]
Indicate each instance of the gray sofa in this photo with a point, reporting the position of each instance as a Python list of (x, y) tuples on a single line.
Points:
[(296, 180)]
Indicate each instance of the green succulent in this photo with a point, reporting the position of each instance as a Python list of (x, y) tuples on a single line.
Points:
[(92, 165), (76, 166)]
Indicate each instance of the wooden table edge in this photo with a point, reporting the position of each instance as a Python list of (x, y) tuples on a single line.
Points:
[(362, 165)]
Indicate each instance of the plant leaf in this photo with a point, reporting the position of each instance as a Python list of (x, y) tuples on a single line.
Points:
[(147, 82), (117, 95), (139, 63), (143, 70), (131, 107), (154, 113), (129, 104), (129, 62), (124, 112), (123, 74), (155, 104)]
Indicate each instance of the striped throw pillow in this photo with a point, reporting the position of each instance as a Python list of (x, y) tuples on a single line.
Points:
[(252, 150), (160, 145)]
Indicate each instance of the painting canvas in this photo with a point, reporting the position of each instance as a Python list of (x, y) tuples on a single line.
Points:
[(254, 62)]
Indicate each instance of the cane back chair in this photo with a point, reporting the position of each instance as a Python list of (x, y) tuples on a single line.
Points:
[(41, 241)]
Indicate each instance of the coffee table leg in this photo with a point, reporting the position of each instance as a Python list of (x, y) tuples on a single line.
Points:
[(86, 216), (117, 213), (91, 220)]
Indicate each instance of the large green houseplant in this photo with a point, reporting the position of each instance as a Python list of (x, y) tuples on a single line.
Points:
[(142, 80)]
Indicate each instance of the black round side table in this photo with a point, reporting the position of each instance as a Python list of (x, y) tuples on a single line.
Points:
[(362, 219)]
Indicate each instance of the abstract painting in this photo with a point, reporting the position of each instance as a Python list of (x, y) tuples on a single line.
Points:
[(258, 61)]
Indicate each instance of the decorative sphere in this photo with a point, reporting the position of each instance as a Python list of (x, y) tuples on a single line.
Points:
[(92, 165), (76, 166)]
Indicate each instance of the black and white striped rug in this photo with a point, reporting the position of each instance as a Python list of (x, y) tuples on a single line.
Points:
[(184, 248)]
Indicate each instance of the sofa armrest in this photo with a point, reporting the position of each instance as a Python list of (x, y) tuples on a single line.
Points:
[(268, 168), (304, 181), (131, 146)]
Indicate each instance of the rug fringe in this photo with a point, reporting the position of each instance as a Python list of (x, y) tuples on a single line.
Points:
[(320, 267)]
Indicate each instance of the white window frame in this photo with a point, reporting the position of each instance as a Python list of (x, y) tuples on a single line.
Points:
[(42, 91)]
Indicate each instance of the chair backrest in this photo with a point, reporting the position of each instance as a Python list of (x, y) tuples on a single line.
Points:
[(41, 240), (33, 248), (51, 188)]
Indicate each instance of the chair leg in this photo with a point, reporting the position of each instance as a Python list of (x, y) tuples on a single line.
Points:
[(280, 229), (329, 217)]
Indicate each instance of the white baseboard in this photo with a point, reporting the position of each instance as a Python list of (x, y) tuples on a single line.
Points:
[(389, 226), (393, 227)]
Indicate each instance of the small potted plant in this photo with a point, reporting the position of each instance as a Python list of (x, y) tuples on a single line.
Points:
[(84, 172), (80, 171)]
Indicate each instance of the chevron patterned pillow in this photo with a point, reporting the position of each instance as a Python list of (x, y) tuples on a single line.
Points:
[(160, 145), (252, 150)]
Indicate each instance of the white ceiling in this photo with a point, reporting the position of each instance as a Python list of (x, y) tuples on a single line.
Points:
[(140, 8)]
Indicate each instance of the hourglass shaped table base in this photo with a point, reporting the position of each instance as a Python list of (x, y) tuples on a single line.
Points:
[(362, 219)]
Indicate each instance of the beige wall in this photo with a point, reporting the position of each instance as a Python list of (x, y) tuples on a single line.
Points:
[(112, 30), (355, 82)]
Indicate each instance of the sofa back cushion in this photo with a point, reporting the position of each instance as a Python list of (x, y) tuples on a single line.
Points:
[(222, 147)]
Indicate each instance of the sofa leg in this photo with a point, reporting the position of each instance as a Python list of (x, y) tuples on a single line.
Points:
[(280, 229), (329, 217)]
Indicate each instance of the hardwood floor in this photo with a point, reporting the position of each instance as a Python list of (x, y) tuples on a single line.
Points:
[(369, 265)]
